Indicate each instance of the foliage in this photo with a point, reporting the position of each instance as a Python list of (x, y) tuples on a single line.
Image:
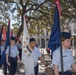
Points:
[(40, 14)]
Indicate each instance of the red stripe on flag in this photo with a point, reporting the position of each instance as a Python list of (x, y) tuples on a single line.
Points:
[(4, 30), (26, 19), (58, 6), (11, 33), (8, 22)]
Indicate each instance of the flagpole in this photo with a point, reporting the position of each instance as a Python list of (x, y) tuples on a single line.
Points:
[(9, 46), (61, 52)]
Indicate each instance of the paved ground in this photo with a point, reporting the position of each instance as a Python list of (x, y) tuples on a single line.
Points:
[(42, 71), (20, 69)]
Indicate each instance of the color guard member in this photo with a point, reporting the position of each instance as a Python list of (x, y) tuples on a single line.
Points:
[(68, 61), (36, 55), (14, 55)]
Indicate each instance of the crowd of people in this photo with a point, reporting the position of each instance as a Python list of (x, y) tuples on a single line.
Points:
[(14, 53)]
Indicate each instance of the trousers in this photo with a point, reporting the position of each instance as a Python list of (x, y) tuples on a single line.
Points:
[(20, 53), (13, 67), (66, 73), (36, 69)]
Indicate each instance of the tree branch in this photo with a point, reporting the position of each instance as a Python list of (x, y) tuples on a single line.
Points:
[(35, 4)]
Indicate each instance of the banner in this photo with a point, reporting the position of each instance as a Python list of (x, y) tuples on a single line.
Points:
[(54, 41), (58, 6), (4, 30), (8, 35), (26, 54), (3, 37)]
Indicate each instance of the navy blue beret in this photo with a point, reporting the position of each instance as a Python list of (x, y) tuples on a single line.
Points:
[(66, 35), (32, 39), (13, 38)]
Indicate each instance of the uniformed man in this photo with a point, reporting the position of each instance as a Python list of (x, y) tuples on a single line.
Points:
[(36, 55), (19, 45), (68, 61), (14, 55)]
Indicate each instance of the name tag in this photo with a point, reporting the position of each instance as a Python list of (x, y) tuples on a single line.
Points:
[(65, 56)]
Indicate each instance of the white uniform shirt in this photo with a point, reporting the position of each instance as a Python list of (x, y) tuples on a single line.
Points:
[(67, 59), (36, 54), (19, 46)]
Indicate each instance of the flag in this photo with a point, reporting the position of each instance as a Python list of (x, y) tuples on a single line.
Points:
[(26, 55), (1, 32), (56, 34), (58, 6), (0, 40), (2, 60), (54, 41), (8, 35), (7, 43), (4, 30)]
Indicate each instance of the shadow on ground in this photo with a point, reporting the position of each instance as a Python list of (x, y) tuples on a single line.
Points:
[(42, 69)]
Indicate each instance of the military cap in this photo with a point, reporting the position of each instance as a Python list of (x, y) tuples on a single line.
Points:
[(32, 39), (13, 38), (66, 35)]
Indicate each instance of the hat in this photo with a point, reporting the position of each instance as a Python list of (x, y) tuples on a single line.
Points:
[(32, 39), (66, 35), (13, 38)]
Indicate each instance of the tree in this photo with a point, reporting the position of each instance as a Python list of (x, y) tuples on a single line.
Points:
[(28, 6), (40, 14)]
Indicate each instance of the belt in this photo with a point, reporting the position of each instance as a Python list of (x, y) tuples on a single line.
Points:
[(13, 57), (66, 71)]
